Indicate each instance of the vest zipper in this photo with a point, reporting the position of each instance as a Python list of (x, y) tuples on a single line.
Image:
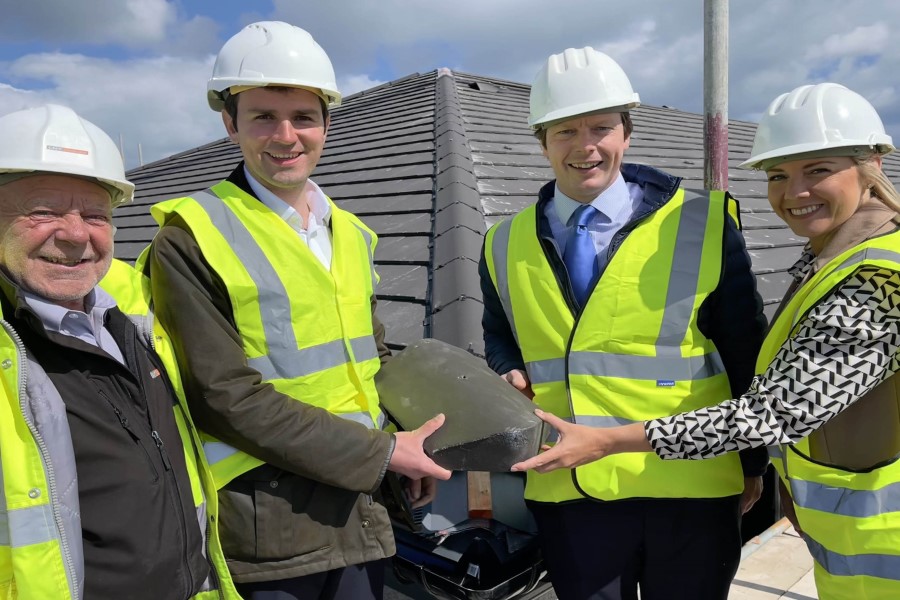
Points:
[(45, 456)]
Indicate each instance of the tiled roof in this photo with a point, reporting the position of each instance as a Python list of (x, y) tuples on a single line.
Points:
[(431, 160)]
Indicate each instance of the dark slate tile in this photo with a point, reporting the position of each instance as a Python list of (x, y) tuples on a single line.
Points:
[(402, 250), (773, 259), (769, 238), (771, 286), (404, 322), (397, 205), (403, 282), (419, 223)]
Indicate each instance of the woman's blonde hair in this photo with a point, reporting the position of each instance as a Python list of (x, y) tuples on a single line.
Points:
[(879, 185)]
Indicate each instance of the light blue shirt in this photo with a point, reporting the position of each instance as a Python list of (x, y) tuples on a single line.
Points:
[(86, 326), (316, 235), (615, 207)]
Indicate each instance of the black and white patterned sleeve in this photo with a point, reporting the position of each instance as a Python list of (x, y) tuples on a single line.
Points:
[(845, 347)]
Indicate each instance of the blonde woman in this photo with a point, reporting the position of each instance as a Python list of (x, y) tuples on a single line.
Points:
[(825, 399)]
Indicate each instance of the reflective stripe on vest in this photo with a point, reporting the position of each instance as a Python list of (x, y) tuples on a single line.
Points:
[(299, 322), (884, 566), (284, 360), (851, 520), (27, 526), (578, 368)]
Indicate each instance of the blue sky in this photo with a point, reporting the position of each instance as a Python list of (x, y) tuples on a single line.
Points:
[(138, 68)]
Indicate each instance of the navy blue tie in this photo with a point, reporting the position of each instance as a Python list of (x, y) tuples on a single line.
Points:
[(580, 255)]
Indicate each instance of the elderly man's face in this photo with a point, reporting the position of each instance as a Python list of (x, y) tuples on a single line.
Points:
[(56, 236)]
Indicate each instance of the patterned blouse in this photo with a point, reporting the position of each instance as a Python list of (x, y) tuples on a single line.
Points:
[(845, 347)]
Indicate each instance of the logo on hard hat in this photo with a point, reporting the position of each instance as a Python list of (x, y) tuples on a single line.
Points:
[(70, 150)]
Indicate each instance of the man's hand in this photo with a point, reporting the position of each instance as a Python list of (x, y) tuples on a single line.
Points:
[(519, 380), (787, 506), (753, 489), (420, 492), (409, 458)]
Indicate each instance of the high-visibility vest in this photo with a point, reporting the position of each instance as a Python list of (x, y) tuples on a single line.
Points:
[(851, 519), (307, 330), (634, 352), (40, 531)]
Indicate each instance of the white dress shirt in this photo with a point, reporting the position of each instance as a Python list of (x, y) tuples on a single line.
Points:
[(316, 235)]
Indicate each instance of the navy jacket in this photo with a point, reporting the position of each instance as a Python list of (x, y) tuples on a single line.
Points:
[(732, 316)]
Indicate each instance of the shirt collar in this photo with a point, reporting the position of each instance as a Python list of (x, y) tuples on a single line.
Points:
[(96, 303), (319, 207), (611, 201)]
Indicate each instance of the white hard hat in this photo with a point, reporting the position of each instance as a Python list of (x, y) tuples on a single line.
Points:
[(817, 120), (576, 82), (53, 139), (272, 53)]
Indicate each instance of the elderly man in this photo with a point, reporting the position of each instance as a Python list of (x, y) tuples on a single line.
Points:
[(105, 493), (268, 290), (621, 296)]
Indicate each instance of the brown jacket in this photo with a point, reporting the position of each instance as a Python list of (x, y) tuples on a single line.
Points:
[(309, 509), (867, 433)]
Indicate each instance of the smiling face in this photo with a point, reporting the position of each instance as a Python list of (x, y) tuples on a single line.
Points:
[(586, 154), (281, 133), (56, 236), (816, 196)]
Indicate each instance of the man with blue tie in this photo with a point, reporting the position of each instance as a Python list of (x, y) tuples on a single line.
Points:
[(620, 296)]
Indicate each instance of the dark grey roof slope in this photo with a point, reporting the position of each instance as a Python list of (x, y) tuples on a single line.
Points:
[(430, 161)]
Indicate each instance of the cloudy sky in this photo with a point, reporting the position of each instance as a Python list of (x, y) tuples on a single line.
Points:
[(138, 68)]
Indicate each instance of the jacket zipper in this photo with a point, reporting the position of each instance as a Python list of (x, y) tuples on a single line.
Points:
[(145, 328), (176, 497), (123, 421), (45, 456)]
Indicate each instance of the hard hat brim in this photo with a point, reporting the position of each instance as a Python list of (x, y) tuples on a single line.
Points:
[(767, 160), (584, 110)]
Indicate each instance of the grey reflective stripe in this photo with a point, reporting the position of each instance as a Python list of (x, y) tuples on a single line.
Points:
[(500, 252), (626, 366), (869, 254), (27, 526), (217, 451), (364, 348), (885, 566), (683, 278), (298, 362), (846, 502), (284, 359), (368, 238), (546, 371), (775, 452), (274, 307)]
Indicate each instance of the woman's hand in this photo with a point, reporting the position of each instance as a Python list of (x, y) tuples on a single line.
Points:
[(580, 444)]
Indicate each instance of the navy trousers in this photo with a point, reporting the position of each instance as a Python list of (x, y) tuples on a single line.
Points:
[(357, 582), (674, 549)]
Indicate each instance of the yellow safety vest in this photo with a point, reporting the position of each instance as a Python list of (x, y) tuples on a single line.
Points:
[(635, 351), (307, 330), (851, 519), (40, 533)]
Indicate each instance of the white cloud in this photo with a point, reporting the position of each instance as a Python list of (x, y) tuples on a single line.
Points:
[(356, 83), (865, 40), (159, 103)]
